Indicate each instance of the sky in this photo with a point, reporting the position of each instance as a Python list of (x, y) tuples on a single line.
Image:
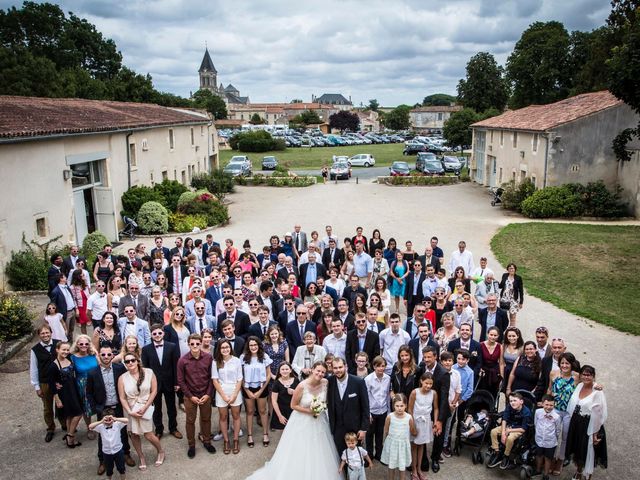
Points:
[(396, 51)]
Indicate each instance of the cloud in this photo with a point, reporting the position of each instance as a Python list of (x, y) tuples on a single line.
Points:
[(397, 52)]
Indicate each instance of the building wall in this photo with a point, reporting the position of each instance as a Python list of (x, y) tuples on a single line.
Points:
[(428, 119), (629, 180)]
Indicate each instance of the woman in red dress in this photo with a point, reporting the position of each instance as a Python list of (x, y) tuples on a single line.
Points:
[(491, 351), (80, 293)]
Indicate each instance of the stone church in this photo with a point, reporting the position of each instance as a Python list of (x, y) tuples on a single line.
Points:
[(209, 81)]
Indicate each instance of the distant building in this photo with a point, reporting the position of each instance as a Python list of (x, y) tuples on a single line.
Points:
[(209, 81), (563, 142), (335, 99), (278, 113), (66, 163), (431, 119)]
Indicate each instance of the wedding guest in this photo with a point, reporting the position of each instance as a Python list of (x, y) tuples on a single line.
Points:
[(277, 348), (306, 355), (281, 395), (107, 333), (398, 428), (56, 324), (110, 428), (62, 384), (256, 374), (83, 357), (226, 374), (41, 357), (378, 386)]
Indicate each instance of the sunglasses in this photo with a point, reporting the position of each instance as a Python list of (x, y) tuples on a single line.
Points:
[(106, 354), (360, 322), (301, 313), (131, 360), (542, 330), (179, 315), (83, 344), (155, 334), (194, 344)]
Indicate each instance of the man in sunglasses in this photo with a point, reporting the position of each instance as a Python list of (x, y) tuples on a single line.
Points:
[(130, 324), (102, 393)]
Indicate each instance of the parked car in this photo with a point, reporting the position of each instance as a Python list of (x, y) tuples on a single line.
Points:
[(464, 161), (241, 159), (451, 164), (423, 158), (269, 163), (236, 170), (399, 169), (413, 148), (362, 160), (340, 170)]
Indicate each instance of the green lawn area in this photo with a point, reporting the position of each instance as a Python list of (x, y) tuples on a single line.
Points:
[(316, 157), (589, 270)]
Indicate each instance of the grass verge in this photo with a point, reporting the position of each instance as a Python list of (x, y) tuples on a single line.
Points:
[(589, 270)]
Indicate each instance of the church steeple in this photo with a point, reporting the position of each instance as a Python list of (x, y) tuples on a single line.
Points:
[(208, 73)]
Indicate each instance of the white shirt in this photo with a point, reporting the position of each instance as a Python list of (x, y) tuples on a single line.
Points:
[(336, 346), (464, 260), (481, 272), (111, 443), (305, 359), (33, 367), (354, 457), (547, 428), (342, 385), (98, 305), (390, 343), (230, 373), (378, 390), (254, 371), (455, 384)]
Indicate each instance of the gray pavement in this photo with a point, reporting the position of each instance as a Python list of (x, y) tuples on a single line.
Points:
[(452, 213)]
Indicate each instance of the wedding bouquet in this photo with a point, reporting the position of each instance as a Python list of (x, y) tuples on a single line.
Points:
[(317, 406)]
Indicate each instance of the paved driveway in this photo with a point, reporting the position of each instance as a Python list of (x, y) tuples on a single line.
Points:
[(452, 213)]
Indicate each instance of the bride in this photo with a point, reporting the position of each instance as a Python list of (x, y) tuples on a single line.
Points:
[(306, 448)]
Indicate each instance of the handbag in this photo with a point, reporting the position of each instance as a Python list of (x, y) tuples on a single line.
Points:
[(148, 414), (505, 305)]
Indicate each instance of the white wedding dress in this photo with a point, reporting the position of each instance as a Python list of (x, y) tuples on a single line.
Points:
[(306, 449)]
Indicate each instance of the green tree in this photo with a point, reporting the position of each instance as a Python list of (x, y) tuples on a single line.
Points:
[(344, 120), (457, 130), (398, 118), (538, 69), (306, 118), (296, 100), (438, 100), (373, 105), (588, 54), (256, 119), (211, 103), (485, 86)]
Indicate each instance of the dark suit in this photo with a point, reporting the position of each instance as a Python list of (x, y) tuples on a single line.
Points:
[(205, 251), (165, 253), (238, 345), (212, 295), (167, 378), (59, 299), (475, 354), (67, 265), (349, 321), (97, 398), (183, 252), (331, 292), (169, 274), (502, 322), (441, 383), (277, 304), (433, 261), (518, 290), (255, 330), (170, 335), (350, 294), (292, 333), (349, 413), (543, 380), (414, 345), (240, 320), (283, 319), (338, 258), (413, 300), (284, 273), (52, 279), (302, 278), (142, 310), (371, 347)]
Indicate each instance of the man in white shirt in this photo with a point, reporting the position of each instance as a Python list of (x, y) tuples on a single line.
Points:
[(430, 283), (325, 240), (304, 258), (461, 314), (483, 270), (363, 265), (391, 339), (97, 304), (147, 284), (378, 387), (130, 324), (336, 343), (461, 258), (189, 307)]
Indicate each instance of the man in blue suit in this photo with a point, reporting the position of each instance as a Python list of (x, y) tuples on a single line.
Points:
[(130, 324), (259, 329), (296, 330), (465, 342), (196, 292), (201, 319), (65, 303), (214, 292), (166, 253)]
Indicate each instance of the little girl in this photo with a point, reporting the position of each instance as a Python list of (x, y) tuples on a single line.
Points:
[(422, 402), (55, 321), (396, 452)]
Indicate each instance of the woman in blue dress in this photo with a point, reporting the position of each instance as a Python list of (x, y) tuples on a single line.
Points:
[(397, 274), (84, 360)]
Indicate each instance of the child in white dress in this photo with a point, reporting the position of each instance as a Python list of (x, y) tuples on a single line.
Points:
[(56, 322), (422, 402)]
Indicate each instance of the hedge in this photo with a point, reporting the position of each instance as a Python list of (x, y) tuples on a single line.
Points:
[(136, 196), (418, 180), (183, 223), (271, 181), (92, 244), (257, 141), (170, 190), (208, 206), (153, 218)]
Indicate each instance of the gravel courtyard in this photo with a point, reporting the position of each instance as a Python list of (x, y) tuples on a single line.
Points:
[(452, 213)]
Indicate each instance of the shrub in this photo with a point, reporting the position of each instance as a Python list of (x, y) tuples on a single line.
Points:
[(185, 198), (15, 318), (92, 244), (280, 172), (183, 223), (257, 141), (206, 204), (418, 180), (514, 195), (549, 202), (170, 190), (153, 218), (135, 197), (27, 271), (217, 182), (600, 202), (464, 175)]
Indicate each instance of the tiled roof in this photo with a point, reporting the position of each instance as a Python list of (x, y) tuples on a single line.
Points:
[(544, 117), (35, 117), (333, 99), (438, 108)]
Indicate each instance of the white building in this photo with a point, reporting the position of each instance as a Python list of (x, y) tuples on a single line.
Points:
[(67, 162)]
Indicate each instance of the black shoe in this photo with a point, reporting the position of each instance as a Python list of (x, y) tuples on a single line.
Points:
[(48, 437), (507, 464), (435, 466), (495, 460), (191, 452), (446, 451), (209, 448)]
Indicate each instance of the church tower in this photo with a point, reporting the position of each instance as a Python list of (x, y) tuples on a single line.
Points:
[(208, 73)]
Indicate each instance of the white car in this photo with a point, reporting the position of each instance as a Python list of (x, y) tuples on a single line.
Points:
[(362, 160)]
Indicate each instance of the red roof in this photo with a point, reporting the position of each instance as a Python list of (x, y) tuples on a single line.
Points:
[(22, 117), (545, 117), (438, 108)]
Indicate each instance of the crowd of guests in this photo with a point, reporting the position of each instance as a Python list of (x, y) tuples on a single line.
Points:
[(203, 326)]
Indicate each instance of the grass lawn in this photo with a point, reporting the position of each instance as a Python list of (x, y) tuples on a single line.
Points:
[(316, 157), (589, 270)]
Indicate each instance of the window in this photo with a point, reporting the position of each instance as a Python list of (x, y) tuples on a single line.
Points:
[(145, 145), (523, 175), (201, 130), (85, 174), (184, 177), (515, 139), (175, 174), (242, 116), (41, 226), (133, 161), (513, 175), (193, 141), (165, 175), (500, 177), (172, 140), (440, 116), (151, 179), (501, 137), (491, 136), (533, 180), (535, 142)]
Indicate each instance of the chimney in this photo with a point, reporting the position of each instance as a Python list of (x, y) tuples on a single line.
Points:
[(349, 98)]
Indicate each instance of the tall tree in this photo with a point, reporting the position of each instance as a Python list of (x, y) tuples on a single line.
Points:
[(398, 118), (538, 69), (457, 130), (485, 86), (588, 54), (211, 103), (306, 118), (344, 120), (438, 100), (256, 119), (373, 105)]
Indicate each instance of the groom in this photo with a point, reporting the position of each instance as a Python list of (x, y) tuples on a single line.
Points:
[(348, 404)]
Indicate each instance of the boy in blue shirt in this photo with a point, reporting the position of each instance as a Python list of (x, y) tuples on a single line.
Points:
[(516, 420)]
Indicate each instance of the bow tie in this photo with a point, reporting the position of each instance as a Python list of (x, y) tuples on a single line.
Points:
[(47, 345), (549, 416), (364, 335), (159, 345), (131, 323), (108, 427)]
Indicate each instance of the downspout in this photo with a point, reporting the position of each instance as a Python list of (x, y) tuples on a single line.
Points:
[(546, 159), (128, 160)]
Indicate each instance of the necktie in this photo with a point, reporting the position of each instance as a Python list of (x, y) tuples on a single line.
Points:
[(301, 332), (135, 302), (264, 330), (218, 292), (201, 325), (176, 280)]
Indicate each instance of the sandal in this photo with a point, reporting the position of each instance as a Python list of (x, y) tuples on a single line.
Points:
[(226, 449), (236, 446), (250, 442), (265, 443), (160, 459), (556, 473)]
